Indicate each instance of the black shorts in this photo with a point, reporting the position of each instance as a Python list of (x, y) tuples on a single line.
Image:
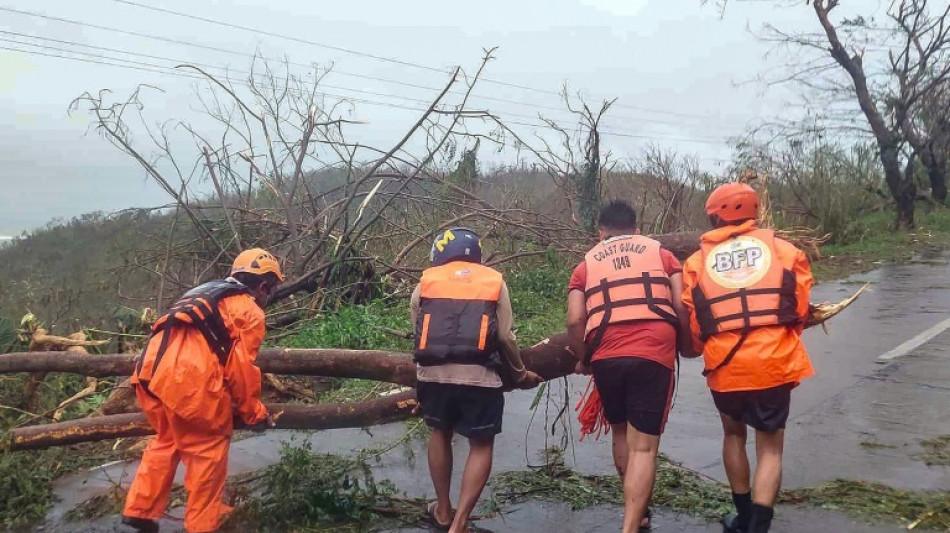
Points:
[(764, 409), (634, 390), (473, 412)]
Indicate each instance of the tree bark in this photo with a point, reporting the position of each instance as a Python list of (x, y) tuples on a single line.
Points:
[(937, 172), (549, 358), (293, 416)]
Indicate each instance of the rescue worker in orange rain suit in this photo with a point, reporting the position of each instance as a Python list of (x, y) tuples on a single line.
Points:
[(196, 374), (747, 294), (623, 324)]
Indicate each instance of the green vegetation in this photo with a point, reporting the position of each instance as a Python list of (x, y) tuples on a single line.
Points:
[(874, 503), (677, 488), (936, 451), (26, 478), (876, 243), (357, 327), (304, 490)]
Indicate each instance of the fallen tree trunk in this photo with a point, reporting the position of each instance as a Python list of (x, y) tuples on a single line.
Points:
[(292, 416), (548, 358)]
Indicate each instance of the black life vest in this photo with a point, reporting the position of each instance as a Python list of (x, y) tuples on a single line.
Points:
[(458, 319), (198, 308)]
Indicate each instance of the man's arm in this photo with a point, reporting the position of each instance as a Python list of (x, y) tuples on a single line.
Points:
[(414, 305), (803, 284), (690, 280), (510, 353), (245, 319), (684, 338), (577, 326)]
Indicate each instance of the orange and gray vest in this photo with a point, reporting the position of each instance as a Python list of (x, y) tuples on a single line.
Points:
[(198, 309), (626, 282), (458, 321), (742, 286)]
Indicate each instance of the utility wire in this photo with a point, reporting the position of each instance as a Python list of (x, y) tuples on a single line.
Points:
[(171, 71), (533, 105), (158, 68), (381, 58)]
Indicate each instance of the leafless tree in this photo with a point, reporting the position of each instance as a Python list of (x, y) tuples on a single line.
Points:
[(922, 68), (277, 168), (574, 157), (890, 88)]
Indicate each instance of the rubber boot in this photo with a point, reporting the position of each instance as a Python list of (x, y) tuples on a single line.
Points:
[(761, 519), (739, 522), (731, 524), (143, 525)]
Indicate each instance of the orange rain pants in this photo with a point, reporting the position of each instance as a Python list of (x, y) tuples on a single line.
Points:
[(206, 469), (190, 401)]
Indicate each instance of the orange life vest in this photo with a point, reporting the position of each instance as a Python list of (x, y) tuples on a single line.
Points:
[(458, 320), (742, 286), (626, 281), (198, 308)]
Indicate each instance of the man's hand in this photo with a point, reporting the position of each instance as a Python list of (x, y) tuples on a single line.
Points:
[(581, 368), (530, 380), (269, 422)]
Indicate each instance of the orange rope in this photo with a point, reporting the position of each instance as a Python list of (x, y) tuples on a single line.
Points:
[(590, 413)]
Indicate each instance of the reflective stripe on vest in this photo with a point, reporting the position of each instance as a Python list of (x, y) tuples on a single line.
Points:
[(743, 285), (458, 320), (197, 308), (626, 281)]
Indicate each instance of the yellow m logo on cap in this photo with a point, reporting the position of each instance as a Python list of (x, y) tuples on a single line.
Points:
[(446, 237)]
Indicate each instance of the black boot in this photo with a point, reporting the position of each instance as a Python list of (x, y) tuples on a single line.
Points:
[(739, 522), (730, 524), (140, 524), (761, 519)]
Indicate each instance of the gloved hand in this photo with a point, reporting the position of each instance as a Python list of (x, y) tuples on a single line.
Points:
[(268, 423)]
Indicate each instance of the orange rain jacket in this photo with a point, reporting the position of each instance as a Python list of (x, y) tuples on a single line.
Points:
[(190, 400), (771, 355)]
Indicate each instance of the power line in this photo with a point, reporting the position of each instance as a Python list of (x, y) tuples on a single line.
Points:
[(384, 59), (161, 69), (533, 105), (287, 37), (175, 62)]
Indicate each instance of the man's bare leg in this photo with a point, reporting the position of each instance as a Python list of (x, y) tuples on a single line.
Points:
[(638, 482), (734, 456), (477, 469), (440, 468), (736, 462), (619, 436), (769, 446)]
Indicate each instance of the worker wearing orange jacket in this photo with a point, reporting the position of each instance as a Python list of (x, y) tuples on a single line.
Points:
[(747, 294), (196, 374)]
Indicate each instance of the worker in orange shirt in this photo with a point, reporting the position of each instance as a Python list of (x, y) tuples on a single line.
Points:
[(747, 294), (196, 374)]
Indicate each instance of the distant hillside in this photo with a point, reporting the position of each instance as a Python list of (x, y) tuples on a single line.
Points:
[(76, 273)]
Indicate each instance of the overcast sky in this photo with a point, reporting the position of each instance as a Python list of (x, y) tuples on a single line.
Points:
[(678, 69)]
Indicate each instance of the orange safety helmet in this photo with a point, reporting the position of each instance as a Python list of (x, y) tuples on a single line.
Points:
[(257, 261), (733, 202)]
